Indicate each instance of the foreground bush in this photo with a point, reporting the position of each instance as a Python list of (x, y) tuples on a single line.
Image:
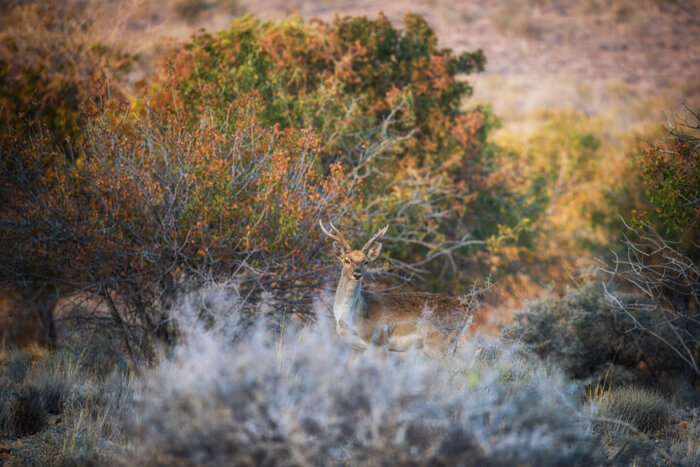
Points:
[(306, 397)]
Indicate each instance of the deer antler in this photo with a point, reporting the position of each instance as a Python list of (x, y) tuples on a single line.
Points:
[(371, 241), (338, 237)]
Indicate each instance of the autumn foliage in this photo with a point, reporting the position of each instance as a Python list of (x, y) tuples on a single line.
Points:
[(145, 206), (221, 165), (52, 70), (386, 103), (342, 78)]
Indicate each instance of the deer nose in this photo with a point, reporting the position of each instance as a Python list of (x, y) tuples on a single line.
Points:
[(357, 274)]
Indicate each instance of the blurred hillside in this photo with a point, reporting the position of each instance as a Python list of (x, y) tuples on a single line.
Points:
[(576, 84), (631, 60)]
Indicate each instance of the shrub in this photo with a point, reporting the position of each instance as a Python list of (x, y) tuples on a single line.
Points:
[(386, 103), (305, 397), (343, 79), (669, 281), (51, 68), (604, 337), (145, 206), (671, 171)]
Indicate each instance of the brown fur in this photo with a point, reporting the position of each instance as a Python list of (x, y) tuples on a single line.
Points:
[(421, 320), (396, 320)]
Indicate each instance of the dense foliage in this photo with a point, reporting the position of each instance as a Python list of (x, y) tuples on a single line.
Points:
[(52, 70), (384, 102), (671, 171), (618, 338), (245, 139), (144, 207)]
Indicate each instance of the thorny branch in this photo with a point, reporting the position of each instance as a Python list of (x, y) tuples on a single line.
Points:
[(670, 281)]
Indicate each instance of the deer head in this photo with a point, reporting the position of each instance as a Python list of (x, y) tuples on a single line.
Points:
[(353, 261)]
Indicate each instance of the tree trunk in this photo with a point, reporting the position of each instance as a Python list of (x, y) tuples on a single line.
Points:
[(42, 300)]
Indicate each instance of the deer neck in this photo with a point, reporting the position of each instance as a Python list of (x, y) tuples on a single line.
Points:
[(348, 304)]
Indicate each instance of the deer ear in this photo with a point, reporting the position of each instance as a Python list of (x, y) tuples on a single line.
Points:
[(337, 250), (374, 251)]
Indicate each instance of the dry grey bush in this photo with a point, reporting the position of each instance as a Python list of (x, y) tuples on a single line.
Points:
[(635, 331), (667, 281), (638, 426), (598, 342), (305, 397)]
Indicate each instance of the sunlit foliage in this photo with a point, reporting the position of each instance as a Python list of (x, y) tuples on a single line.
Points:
[(385, 102), (51, 69), (672, 176), (144, 206)]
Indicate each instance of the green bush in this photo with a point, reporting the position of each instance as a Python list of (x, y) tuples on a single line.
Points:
[(671, 171), (385, 102)]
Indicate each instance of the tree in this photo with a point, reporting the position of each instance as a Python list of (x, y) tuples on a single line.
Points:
[(386, 103), (144, 206)]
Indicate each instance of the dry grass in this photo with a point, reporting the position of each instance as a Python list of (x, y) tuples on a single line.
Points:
[(55, 412), (645, 410), (638, 426)]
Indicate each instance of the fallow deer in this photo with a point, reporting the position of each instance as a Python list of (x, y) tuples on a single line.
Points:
[(398, 321)]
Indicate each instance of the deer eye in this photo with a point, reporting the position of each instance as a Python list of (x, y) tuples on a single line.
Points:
[(346, 261)]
